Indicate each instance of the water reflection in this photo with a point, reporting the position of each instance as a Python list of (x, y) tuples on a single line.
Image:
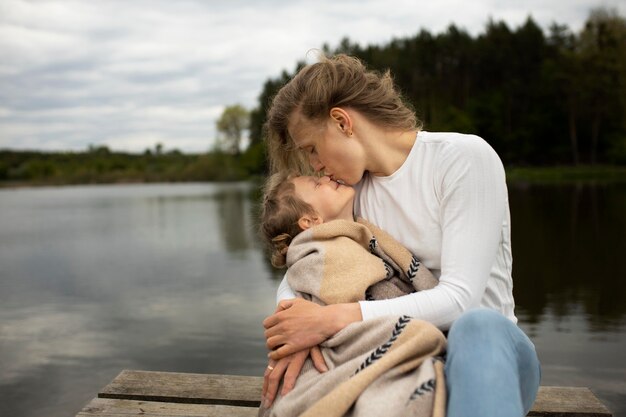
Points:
[(98, 279), (236, 229), (567, 242), (172, 278)]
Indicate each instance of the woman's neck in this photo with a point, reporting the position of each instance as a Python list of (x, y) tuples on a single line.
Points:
[(386, 151)]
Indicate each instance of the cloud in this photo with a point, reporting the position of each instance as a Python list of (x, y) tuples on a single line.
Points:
[(127, 73), (35, 340)]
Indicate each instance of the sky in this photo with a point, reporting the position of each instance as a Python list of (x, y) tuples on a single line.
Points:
[(131, 74)]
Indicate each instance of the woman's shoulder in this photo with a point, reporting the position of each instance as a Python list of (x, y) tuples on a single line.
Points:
[(458, 155), (454, 143), (451, 138)]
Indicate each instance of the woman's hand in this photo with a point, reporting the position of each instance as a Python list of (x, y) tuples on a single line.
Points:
[(298, 324), (288, 367), (294, 326)]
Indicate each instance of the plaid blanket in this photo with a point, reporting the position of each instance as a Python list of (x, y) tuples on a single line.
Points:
[(387, 366)]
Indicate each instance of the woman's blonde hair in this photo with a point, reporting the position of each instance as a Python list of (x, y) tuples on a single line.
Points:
[(280, 213), (338, 81)]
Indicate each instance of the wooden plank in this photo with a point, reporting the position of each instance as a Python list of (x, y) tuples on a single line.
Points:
[(185, 388), (105, 407), (246, 391), (568, 401)]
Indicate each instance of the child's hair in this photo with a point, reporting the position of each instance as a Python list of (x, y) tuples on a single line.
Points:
[(338, 81), (280, 213)]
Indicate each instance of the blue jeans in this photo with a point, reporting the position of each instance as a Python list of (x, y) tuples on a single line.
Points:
[(491, 369)]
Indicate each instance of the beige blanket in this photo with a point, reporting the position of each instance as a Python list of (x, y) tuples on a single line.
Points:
[(387, 366)]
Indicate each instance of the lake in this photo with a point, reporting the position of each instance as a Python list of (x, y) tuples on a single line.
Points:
[(96, 279)]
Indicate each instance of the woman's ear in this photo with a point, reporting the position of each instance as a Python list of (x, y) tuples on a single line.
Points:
[(342, 120), (307, 221)]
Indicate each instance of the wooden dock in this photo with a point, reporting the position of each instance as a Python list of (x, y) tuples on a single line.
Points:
[(168, 394)]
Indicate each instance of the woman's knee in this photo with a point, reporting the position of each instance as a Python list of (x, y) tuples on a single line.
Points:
[(483, 345), (485, 333), (482, 324)]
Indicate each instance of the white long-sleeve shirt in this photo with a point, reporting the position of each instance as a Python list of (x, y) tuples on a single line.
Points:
[(448, 205)]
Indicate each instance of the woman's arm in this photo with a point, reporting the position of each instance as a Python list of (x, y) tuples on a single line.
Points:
[(471, 190), (471, 193), (284, 291)]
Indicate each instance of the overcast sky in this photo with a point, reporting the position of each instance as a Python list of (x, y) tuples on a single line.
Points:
[(129, 74)]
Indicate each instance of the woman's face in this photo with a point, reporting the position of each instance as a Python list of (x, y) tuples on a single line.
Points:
[(329, 149)]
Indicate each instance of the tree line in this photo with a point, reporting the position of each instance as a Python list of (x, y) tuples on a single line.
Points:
[(103, 165), (538, 98)]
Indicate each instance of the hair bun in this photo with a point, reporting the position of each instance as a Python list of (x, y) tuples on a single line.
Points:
[(281, 246)]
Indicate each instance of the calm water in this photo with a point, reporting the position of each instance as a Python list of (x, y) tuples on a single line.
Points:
[(98, 279)]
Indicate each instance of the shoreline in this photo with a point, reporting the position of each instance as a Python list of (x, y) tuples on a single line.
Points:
[(556, 175)]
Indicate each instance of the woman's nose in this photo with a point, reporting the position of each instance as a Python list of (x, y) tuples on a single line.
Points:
[(325, 179), (315, 163)]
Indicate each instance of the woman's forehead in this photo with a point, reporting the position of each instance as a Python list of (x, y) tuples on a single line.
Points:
[(297, 129), (301, 130)]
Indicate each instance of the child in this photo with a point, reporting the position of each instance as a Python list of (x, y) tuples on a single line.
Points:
[(355, 254), (332, 258)]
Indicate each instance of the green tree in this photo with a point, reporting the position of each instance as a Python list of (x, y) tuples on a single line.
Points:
[(602, 46), (259, 114), (564, 71), (231, 125)]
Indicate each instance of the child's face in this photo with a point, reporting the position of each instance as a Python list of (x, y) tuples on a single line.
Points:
[(330, 199)]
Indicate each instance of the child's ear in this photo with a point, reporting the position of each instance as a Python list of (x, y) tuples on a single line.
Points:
[(307, 221)]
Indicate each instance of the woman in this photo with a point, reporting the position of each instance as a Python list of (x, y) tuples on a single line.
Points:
[(443, 196)]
